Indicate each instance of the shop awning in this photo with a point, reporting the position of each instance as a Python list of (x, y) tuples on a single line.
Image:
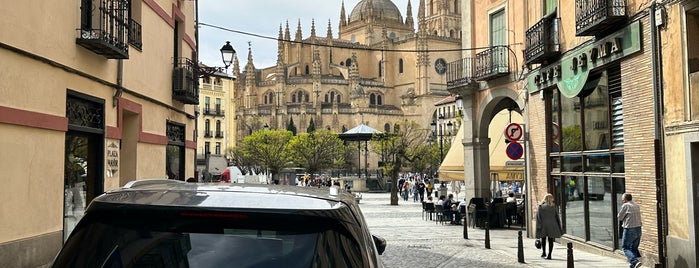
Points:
[(452, 168)]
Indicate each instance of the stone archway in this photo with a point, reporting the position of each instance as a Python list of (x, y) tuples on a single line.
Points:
[(477, 117)]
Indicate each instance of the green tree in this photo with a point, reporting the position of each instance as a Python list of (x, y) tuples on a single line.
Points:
[(405, 146), (317, 150), (268, 148), (311, 126), (291, 127)]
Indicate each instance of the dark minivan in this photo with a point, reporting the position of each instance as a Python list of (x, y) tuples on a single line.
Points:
[(167, 223)]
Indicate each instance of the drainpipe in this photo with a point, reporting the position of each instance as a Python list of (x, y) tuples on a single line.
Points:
[(659, 141), (196, 107), (120, 83)]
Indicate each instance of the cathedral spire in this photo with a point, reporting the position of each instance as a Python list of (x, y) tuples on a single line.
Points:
[(313, 30), (421, 22), (343, 17), (280, 46), (299, 36), (250, 67), (287, 34), (236, 66), (409, 17), (330, 30)]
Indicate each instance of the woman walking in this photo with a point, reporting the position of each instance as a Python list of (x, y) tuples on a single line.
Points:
[(548, 224)]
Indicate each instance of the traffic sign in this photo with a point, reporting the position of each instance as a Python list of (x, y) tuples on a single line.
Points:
[(514, 150), (513, 132)]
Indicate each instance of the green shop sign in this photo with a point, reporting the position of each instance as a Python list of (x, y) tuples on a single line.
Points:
[(571, 72)]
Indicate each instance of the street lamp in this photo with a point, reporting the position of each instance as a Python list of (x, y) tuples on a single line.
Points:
[(227, 55), (441, 133), (266, 126)]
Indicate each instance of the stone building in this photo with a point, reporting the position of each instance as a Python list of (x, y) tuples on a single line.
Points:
[(381, 68), (585, 88), (94, 94), (677, 90)]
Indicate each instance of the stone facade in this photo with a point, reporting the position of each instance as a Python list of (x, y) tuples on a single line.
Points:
[(377, 71)]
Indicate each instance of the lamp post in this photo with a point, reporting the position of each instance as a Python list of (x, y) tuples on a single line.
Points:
[(227, 55), (439, 132)]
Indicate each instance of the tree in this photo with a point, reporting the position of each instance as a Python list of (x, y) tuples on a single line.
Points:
[(268, 148), (406, 145), (245, 164), (291, 127), (311, 126), (317, 150)]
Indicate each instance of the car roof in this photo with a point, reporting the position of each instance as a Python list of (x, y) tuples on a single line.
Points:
[(163, 192)]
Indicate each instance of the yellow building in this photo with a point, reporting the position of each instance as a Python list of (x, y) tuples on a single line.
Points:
[(215, 124), (92, 98), (378, 70), (580, 72), (678, 55)]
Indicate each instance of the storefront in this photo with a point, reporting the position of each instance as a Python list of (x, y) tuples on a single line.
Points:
[(585, 134)]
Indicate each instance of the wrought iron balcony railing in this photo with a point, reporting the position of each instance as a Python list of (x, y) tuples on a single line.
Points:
[(219, 134), (184, 81), (596, 17), (220, 112), (492, 63), (460, 73), (543, 41), (208, 134), (135, 38), (104, 27)]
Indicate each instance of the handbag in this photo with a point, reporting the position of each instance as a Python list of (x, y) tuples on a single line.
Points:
[(537, 243)]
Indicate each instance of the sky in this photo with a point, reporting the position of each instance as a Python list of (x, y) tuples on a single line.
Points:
[(263, 17)]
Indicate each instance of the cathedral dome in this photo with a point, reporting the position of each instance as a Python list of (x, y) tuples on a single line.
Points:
[(381, 10)]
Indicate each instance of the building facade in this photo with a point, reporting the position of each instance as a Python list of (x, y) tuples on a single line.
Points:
[(91, 99), (678, 53), (215, 124), (585, 86), (378, 70)]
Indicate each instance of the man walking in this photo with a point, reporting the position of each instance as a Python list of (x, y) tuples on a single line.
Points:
[(630, 217)]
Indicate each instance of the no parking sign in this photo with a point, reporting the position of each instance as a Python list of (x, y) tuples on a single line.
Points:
[(514, 150)]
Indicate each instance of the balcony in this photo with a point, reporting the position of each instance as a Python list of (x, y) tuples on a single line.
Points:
[(219, 134), (220, 112), (135, 38), (104, 27), (492, 63), (460, 73), (184, 82), (543, 41), (596, 17), (208, 134)]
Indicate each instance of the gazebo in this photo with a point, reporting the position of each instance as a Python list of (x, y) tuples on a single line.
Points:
[(361, 133)]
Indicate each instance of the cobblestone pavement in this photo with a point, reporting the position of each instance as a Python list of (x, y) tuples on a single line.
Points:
[(415, 242)]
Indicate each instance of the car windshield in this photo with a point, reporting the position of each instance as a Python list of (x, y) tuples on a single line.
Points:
[(210, 239)]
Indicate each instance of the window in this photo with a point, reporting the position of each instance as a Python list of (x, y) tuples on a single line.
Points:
[(308, 70), (498, 37), (348, 62), (587, 156), (550, 6), (692, 95), (207, 126), (218, 148), (372, 99), (400, 66), (269, 98), (207, 147), (387, 128), (175, 151), (380, 69), (218, 105), (207, 105), (135, 38), (378, 100), (218, 126)]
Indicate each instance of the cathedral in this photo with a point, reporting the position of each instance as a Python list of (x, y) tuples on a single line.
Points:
[(378, 70)]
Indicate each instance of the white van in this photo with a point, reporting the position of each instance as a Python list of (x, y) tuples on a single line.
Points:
[(232, 174)]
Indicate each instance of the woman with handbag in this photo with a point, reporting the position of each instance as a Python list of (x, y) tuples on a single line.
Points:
[(548, 224)]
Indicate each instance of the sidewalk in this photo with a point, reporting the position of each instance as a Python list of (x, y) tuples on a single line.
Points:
[(415, 242)]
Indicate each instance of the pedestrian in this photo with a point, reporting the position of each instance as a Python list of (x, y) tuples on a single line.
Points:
[(630, 217), (421, 190), (406, 190), (416, 191), (548, 224)]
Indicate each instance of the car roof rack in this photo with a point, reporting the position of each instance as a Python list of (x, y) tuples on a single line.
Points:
[(144, 182)]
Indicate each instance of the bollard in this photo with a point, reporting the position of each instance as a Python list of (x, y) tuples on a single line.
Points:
[(487, 236), (570, 255), (520, 248), (466, 227)]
